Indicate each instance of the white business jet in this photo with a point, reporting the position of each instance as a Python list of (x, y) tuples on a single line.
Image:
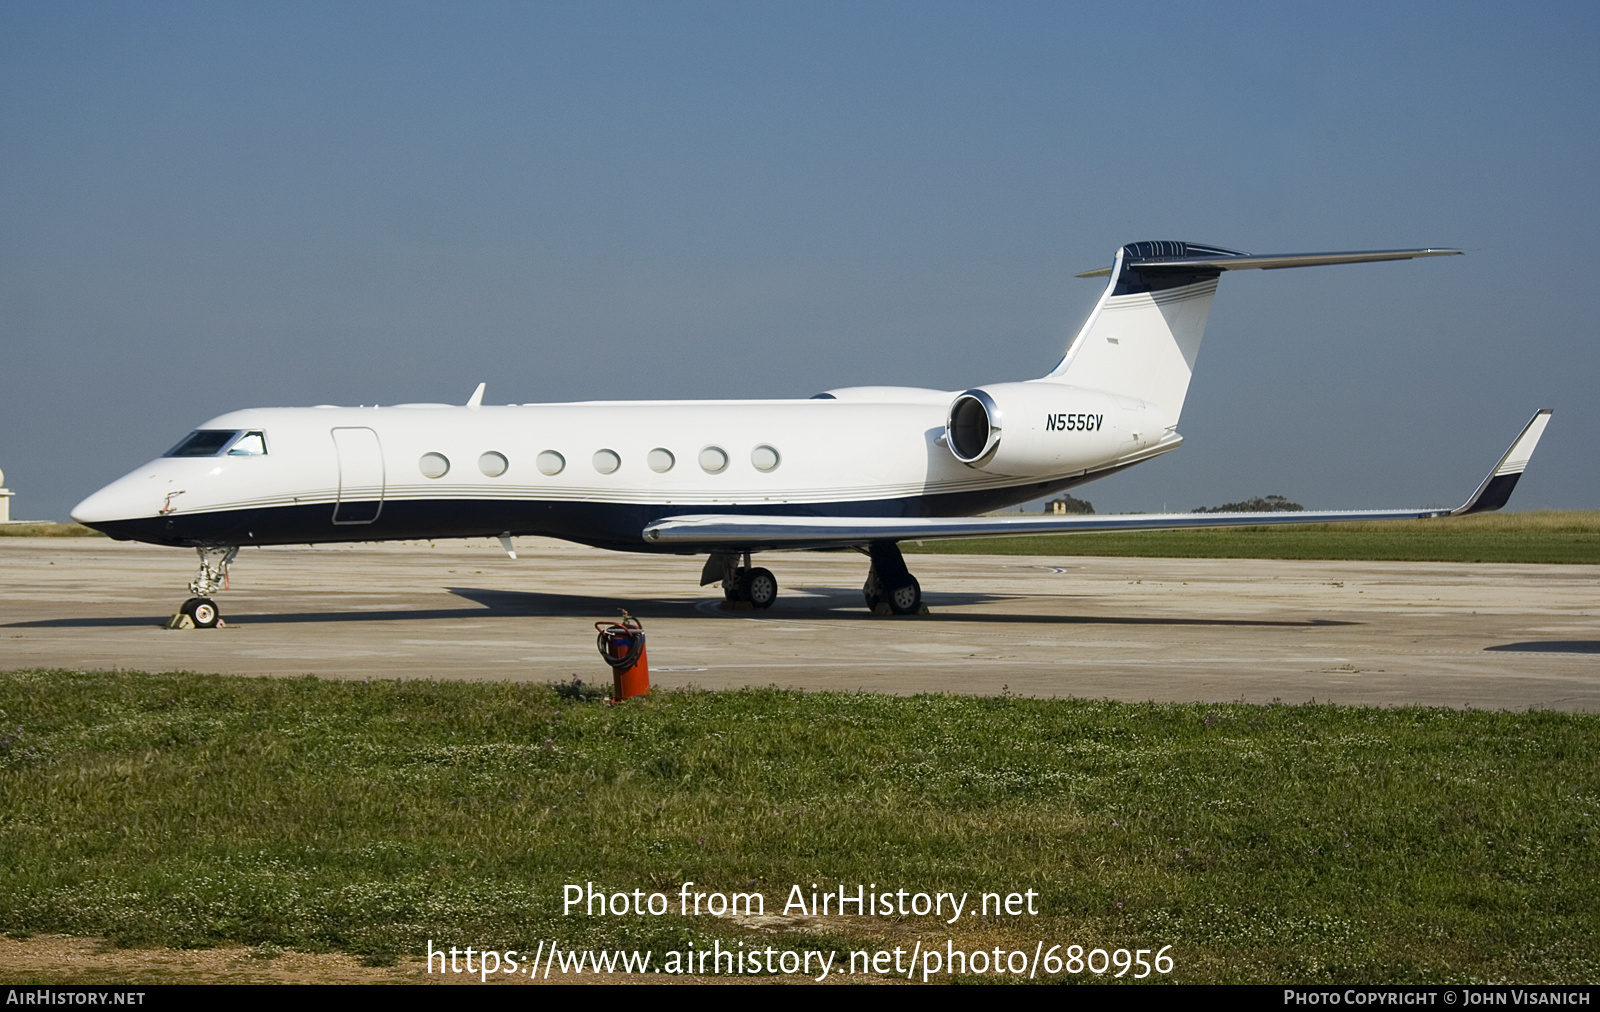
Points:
[(857, 468)]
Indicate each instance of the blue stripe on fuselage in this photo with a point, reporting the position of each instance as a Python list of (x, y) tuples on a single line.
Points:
[(615, 526)]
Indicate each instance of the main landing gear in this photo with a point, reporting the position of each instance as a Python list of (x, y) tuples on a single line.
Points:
[(742, 585), (890, 588), (200, 612)]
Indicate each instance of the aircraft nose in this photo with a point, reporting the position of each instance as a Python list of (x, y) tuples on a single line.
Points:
[(124, 499)]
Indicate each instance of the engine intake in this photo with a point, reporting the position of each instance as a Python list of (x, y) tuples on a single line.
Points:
[(973, 428)]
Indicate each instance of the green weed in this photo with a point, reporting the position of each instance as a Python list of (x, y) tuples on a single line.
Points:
[(1312, 843), (1540, 536)]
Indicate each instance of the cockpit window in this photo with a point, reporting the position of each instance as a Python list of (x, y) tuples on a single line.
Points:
[(212, 443), (204, 443), (251, 444)]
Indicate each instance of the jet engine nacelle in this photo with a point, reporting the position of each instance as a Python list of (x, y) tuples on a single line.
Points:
[(1038, 429)]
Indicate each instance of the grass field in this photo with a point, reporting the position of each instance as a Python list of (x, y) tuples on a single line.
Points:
[(1542, 536), (1272, 843), (47, 530)]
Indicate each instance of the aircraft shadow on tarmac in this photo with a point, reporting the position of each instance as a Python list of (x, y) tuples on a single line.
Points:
[(815, 603), (836, 603), (1551, 647)]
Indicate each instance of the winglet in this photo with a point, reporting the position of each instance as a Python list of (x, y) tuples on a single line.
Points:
[(476, 400), (1495, 490)]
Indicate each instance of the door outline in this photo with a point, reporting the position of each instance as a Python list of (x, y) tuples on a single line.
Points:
[(360, 456)]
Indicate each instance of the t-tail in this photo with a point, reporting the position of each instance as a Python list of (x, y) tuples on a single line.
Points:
[(1142, 339)]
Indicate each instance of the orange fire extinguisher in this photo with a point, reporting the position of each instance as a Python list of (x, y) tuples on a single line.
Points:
[(622, 645)]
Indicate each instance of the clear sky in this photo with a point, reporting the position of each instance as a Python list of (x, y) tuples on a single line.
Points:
[(212, 206)]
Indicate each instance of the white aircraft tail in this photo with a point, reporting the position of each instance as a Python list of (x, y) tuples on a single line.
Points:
[(1142, 339)]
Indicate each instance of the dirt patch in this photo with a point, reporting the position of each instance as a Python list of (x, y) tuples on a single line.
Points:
[(63, 959)]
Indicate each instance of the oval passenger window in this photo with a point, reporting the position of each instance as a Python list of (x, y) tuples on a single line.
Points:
[(551, 462), (434, 465), (493, 464), (713, 459)]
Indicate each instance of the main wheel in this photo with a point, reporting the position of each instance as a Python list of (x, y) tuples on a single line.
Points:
[(203, 611), (760, 587), (907, 599)]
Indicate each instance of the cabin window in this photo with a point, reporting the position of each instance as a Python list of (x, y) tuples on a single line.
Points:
[(714, 459), (203, 443), (251, 444), (661, 460), (493, 464), (606, 461), (764, 457), (551, 462), (434, 465)]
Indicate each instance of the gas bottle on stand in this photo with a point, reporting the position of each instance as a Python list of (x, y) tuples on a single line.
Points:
[(622, 646)]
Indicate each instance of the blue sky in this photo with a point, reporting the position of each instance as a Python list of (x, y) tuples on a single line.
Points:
[(206, 207)]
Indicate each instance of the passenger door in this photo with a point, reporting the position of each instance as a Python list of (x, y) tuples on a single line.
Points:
[(360, 476)]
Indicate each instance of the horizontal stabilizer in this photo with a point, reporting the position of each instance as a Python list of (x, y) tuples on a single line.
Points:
[(1192, 258), (722, 532)]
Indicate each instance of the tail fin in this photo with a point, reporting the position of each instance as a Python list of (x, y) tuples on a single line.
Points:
[(1144, 335)]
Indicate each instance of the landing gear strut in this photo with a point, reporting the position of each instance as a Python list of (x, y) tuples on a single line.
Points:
[(742, 584), (212, 576), (890, 588)]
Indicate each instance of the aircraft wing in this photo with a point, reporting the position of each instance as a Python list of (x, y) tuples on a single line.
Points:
[(769, 531)]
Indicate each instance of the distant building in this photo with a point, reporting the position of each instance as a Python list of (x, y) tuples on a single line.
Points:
[(1068, 504), (5, 500)]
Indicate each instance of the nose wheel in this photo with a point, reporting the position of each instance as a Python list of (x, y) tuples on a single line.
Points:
[(202, 611)]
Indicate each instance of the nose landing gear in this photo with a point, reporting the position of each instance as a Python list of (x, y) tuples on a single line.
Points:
[(200, 612)]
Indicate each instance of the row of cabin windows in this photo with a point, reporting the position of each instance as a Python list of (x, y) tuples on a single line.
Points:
[(253, 443), (713, 460)]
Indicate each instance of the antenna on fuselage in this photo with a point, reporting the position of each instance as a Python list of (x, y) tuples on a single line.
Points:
[(476, 400)]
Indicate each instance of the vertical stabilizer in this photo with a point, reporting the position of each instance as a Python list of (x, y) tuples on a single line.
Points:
[(1143, 337)]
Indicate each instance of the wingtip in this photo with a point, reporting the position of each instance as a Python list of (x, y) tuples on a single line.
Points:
[(1495, 490)]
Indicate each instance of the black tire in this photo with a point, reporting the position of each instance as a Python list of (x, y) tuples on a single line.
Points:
[(907, 599), (203, 611), (871, 591), (759, 587)]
